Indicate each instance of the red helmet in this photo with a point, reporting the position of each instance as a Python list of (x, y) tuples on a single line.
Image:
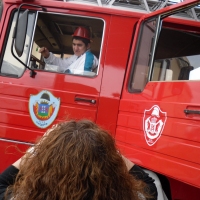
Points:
[(82, 32)]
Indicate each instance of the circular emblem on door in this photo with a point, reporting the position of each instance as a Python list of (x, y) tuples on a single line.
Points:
[(43, 108)]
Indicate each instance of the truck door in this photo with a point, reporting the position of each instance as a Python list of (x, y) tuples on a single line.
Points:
[(158, 121), (30, 105)]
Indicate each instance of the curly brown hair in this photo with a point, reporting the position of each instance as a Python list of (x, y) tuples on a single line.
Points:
[(77, 160)]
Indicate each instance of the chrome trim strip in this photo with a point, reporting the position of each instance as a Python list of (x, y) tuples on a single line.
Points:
[(15, 141)]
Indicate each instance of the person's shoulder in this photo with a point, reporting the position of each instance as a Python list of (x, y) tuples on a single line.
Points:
[(90, 55), (88, 52)]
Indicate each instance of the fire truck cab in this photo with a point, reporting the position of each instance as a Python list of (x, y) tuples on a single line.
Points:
[(144, 89)]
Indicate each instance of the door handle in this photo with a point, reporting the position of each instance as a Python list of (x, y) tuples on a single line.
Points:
[(192, 111), (92, 101)]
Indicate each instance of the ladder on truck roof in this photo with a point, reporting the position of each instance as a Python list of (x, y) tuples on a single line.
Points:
[(142, 6)]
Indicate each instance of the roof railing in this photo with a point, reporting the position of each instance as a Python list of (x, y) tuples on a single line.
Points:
[(142, 6)]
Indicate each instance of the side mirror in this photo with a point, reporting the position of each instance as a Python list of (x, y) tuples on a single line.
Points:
[(20, 33)]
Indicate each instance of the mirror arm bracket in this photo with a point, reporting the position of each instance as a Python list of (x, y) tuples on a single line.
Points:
[(32, 72), (24, 4)]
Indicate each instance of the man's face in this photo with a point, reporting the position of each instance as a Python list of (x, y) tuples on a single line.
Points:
[(79, 47)]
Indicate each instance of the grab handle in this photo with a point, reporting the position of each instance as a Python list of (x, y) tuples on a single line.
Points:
[(85, 100), (192, 111)]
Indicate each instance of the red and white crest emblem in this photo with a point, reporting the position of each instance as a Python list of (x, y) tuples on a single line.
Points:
[(153, 124), (43, 108)]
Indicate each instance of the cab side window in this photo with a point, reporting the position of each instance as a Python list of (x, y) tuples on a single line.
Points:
[(55, 32), (167, 55)]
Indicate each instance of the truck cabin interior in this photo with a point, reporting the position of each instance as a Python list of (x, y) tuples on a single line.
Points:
[(177, 54), (54, 31), (170, 54)]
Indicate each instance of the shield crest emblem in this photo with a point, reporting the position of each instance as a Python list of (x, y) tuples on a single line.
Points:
[(43, 108), (153, 124)]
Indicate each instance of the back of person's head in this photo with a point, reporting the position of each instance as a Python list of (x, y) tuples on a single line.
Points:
[(83, 34), (76, 160)]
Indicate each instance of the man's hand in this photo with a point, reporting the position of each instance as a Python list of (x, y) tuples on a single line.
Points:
[(44, 51)]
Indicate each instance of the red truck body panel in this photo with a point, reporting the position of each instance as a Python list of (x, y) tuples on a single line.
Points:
[(128, 115)]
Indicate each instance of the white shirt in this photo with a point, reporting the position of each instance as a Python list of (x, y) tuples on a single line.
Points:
[(74, 64)]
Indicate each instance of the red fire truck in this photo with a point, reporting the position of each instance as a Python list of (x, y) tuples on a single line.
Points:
[(144, 90)]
